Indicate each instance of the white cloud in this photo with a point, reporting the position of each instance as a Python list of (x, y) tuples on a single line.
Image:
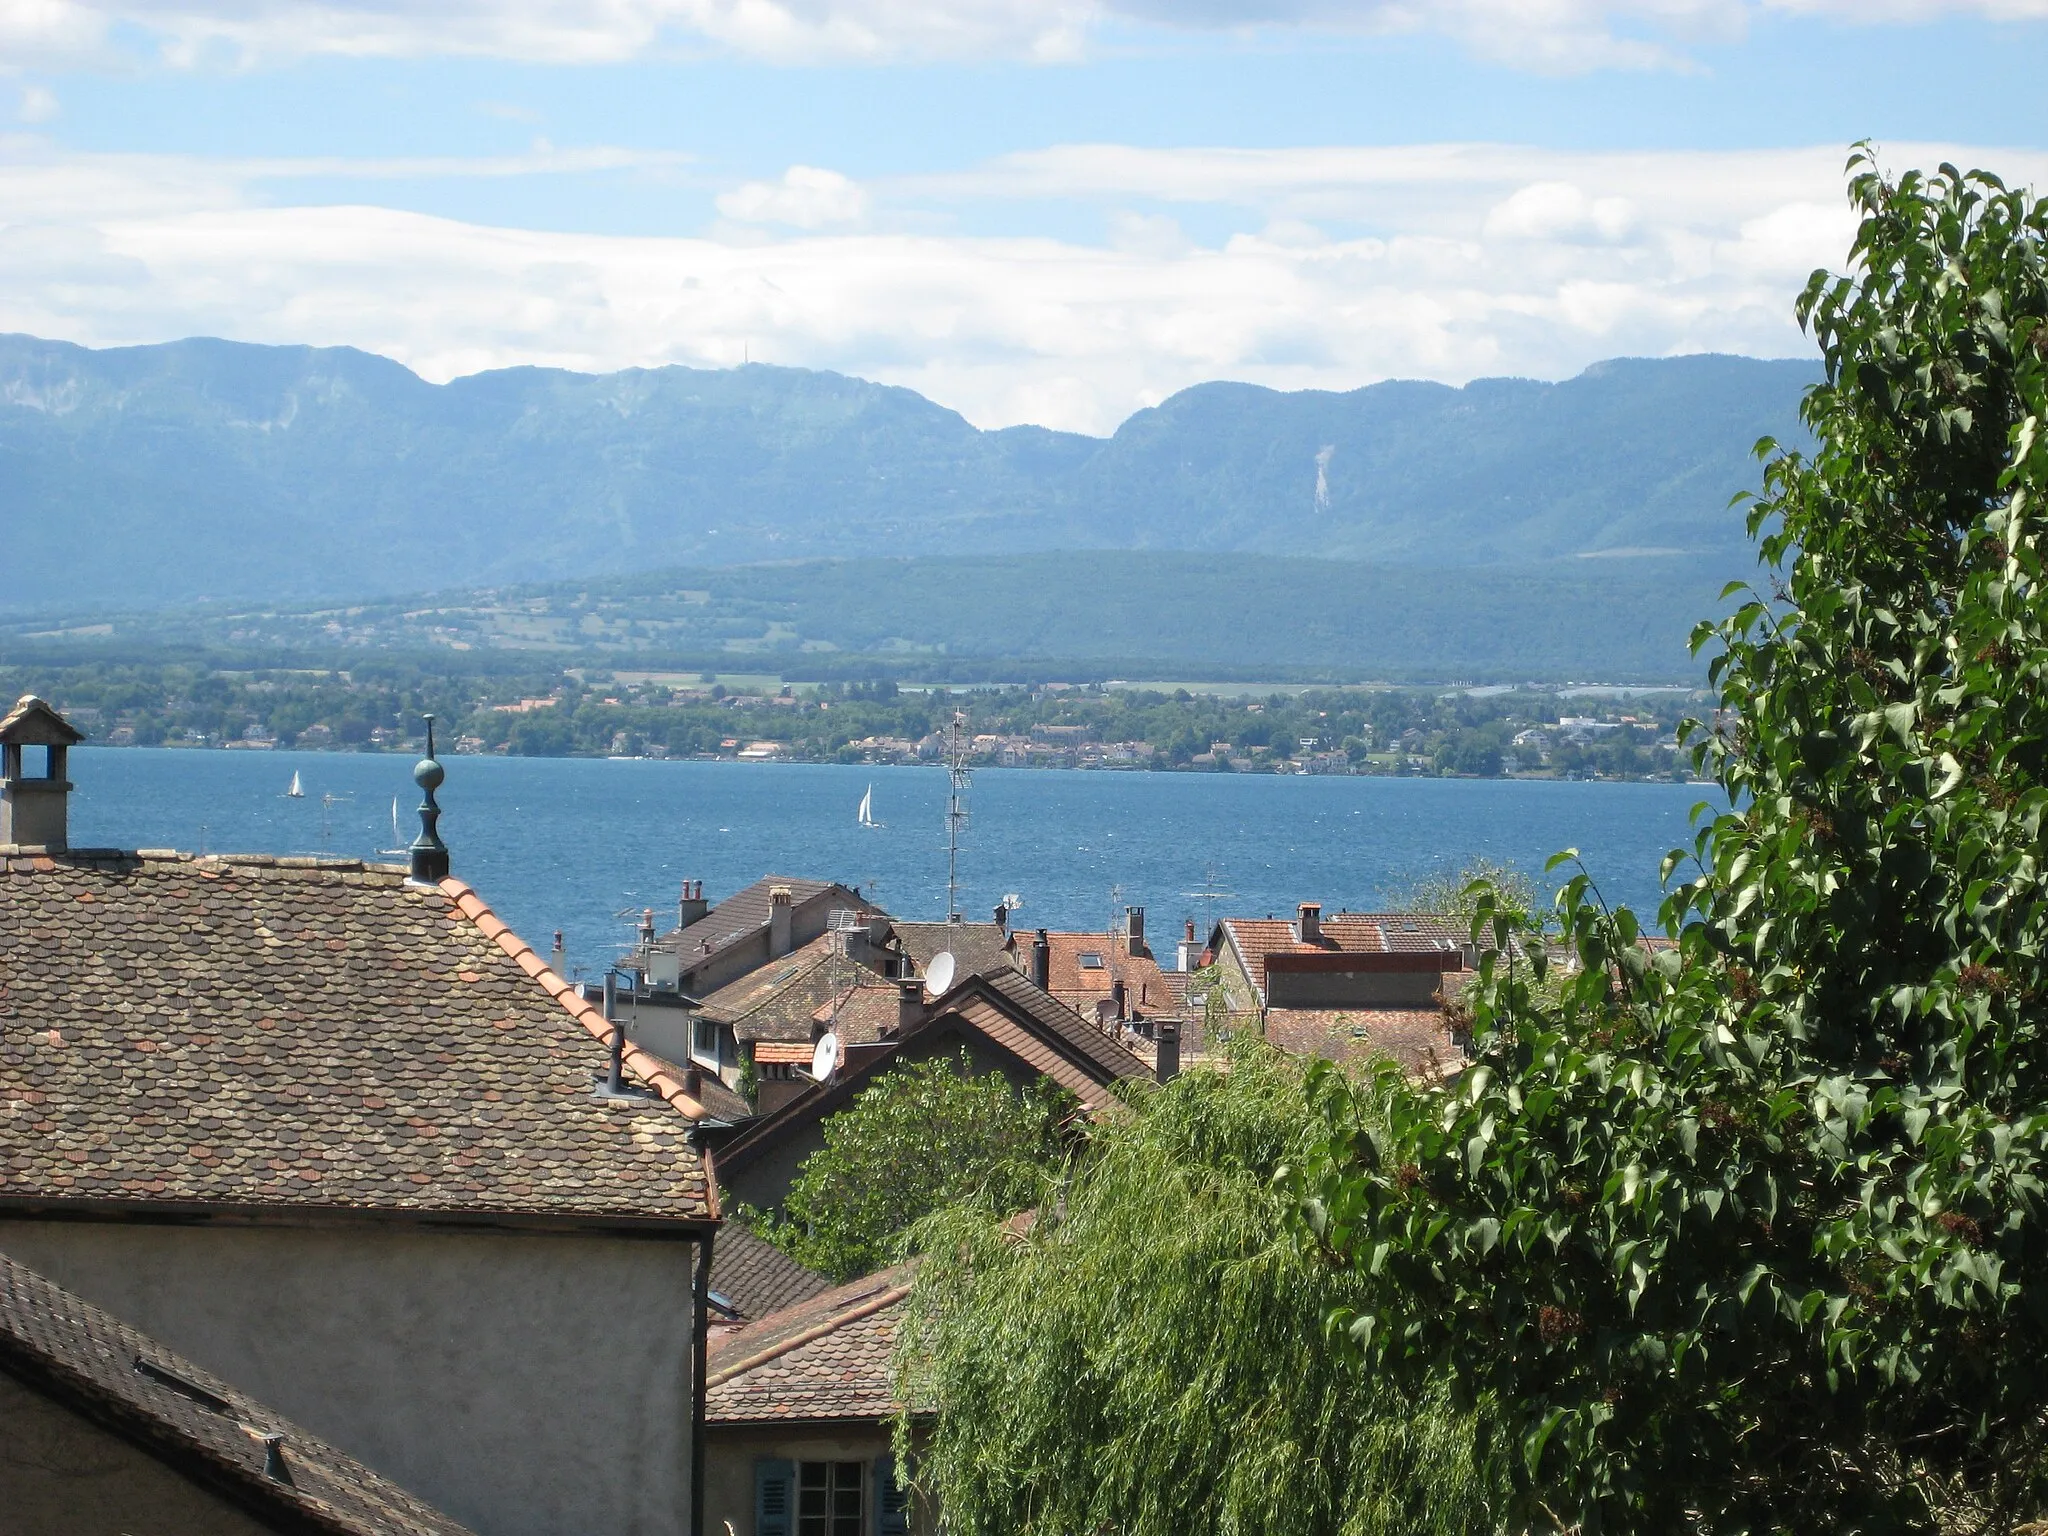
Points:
[(1562, 36), (38, 104), (805, 198), (1444, 261)]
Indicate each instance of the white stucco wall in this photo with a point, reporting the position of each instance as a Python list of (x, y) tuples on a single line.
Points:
[(527, 1384)]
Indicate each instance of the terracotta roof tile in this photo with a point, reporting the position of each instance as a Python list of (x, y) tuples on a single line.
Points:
[(758, 1277), (249, 1032), (824, 1358), (1362, 933), (78, 1355), (862, 1015)]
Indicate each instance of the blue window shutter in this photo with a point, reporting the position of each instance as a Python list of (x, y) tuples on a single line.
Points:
[(892, 1502), (774, 1497)]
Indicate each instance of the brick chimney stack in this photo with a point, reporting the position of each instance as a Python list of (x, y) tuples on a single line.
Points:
[(909, 1004), (692, 906), (781, 910), (1134, 931), (35, 797), (1310, 929)]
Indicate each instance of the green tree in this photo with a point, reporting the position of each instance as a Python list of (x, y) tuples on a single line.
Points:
[(1749, 1232), (925, 1135), (1147, 1357)]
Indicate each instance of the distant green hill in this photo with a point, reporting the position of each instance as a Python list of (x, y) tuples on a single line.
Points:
[(1166, 615), (160, 476)]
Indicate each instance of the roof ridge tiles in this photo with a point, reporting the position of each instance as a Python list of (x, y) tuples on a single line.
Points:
[(651, 1070), (831, 1323)]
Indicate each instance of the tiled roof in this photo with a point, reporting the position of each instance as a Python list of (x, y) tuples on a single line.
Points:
[(317, 1034), (742, 913), (1415, 1037), (33, 723), (1359, 933), (775, 1001), (822, 1359), (1078, 1038), (1005, 1009), (1146, 990), (100, 1367), (977, 948), (862, 1014), (756, 1276)]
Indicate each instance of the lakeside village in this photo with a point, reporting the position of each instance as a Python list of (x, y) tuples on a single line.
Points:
[(334, 1204), (1526, 731)]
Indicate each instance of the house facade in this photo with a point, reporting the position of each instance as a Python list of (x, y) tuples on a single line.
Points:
[(332, 1132)]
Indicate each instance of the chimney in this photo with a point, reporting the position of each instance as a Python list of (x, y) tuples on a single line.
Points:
[(693, 1081), (429, 853), (780, 912), (646, 928), (1120, 998), (35, 807), (693, 906), (555, 955), (1310, 928), (1041, 962), (1190, 956), (909, 1004), (1002, 917), (1134, 931), (1166, 1056)]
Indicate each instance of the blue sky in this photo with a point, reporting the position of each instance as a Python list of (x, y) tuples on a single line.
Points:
[(1043, 212)]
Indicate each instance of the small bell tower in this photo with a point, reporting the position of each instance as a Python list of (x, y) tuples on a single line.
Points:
[(35, 795)]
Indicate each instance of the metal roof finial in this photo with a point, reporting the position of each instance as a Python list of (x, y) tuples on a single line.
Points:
[(429, 853)]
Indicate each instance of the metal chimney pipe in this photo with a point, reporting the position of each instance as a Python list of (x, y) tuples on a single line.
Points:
[(1041, 961), (1118, 996), (1166, 1057), (616, 1081)]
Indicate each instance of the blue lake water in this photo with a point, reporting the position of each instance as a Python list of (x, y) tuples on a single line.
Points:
[(573, 843)]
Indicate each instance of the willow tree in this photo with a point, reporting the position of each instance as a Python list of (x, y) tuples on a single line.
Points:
[(1147, 1356), (1749, 1233)]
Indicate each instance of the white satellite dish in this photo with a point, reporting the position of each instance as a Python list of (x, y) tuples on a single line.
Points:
[(825, 1059), (939, 975)]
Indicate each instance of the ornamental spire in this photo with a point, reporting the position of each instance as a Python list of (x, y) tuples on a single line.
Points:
[(429, 853)]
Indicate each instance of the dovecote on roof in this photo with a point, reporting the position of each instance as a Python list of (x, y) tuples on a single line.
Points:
[(34, 805)]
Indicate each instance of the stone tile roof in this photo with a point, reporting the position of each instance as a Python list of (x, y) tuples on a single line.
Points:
[(1418, 1038), (777, 1001), (740, 914), (822, 1359), (33, 723), (757, 1277), (76, 1354), (862, 1014), (250, 1032), (1361, 933), (976, 948)]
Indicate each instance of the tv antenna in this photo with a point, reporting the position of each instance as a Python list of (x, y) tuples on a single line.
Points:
[(959, 775), (1210, 891)]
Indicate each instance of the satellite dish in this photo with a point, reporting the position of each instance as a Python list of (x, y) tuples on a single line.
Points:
[(825, 1059), (939, 975), (1012, 901)]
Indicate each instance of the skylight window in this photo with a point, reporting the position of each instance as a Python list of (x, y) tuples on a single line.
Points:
[(1091, 960)]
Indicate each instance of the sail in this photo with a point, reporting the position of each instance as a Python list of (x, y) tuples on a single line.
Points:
[(867, 807), (297, 791)]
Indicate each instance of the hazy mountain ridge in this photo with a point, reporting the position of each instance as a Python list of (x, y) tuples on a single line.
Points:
[(165, 474)]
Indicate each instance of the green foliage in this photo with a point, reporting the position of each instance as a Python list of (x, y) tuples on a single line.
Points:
[(1458, 893), (1148, 1358), (1749, 1232), (925, 1135)]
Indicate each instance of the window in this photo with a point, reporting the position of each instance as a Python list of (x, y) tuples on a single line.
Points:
[(828, 1498), (1091, 960), (706, 1040)]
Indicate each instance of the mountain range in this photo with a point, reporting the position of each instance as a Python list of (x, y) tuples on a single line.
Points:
[(161, 476)]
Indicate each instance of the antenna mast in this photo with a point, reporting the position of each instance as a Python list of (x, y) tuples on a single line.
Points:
[(956, 808)]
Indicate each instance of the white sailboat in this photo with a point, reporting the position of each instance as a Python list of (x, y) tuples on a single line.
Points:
[(397, 837), (297, 791), (867, 809)]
